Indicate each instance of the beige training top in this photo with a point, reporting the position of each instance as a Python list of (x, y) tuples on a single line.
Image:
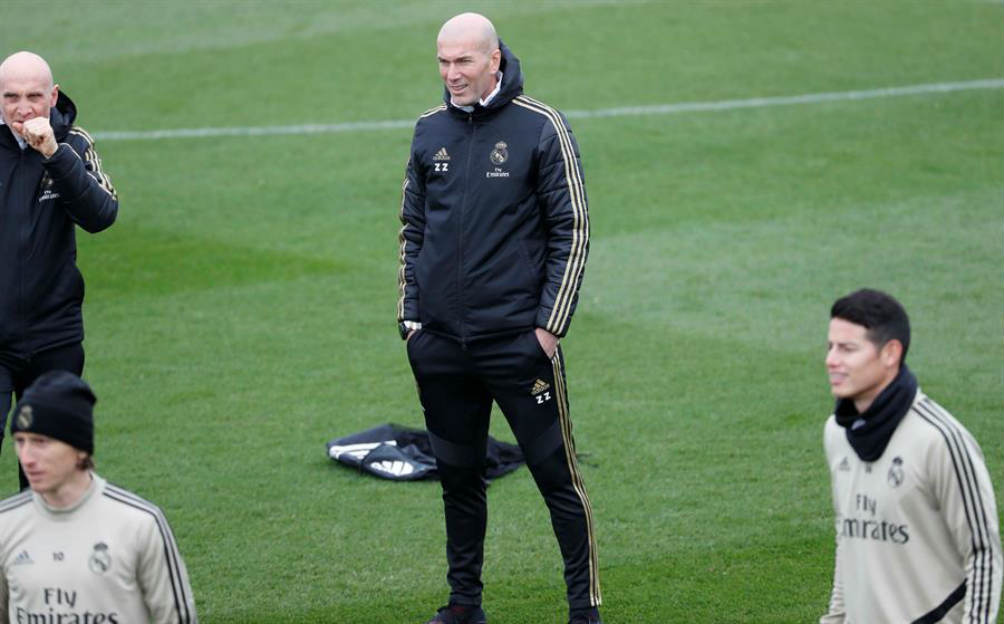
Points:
[(109, 559), (917, 534)]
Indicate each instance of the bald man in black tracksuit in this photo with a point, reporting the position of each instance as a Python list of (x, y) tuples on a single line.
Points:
[(493, 246), (50, 182)]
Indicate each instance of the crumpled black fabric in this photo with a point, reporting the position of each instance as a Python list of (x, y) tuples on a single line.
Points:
[(869, 433), (402, 453)]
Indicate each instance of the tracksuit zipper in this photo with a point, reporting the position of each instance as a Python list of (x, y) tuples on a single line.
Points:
[(22, 236), (460, 235)]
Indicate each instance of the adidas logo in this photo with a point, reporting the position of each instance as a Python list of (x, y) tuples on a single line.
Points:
[(23, 558), (441, 155), (539, 386), (358, 451), (396, 468), (844, 466)]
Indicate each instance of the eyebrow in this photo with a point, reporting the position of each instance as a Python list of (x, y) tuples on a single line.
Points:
[(462, 57), (28, 93)]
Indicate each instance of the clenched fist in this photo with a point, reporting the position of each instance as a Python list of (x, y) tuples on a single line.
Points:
[(38, 134)]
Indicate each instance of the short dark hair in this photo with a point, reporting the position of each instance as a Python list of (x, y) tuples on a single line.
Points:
[(879, 313)]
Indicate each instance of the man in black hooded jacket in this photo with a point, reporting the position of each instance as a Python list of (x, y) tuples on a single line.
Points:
[(493, 245), (50, 181)]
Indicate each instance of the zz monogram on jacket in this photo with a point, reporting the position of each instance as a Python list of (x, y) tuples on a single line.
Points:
[(441, 161)]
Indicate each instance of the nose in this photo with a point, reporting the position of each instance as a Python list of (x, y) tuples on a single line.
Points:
[(832, 359), (25, 456)]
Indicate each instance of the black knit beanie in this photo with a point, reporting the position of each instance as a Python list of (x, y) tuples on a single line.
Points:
[(59, 405)]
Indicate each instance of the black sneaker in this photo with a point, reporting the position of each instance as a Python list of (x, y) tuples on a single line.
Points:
[(458, 614), (589, 618)]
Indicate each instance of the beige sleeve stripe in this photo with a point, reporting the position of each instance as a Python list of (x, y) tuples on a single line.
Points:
[(433, 111), (92, 159), (580, 228), (401, 279)]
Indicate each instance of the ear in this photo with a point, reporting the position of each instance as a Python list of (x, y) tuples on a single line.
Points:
[(54, 96), (496, 60), (892, 353)]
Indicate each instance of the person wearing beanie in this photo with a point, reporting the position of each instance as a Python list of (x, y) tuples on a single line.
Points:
[(76, 548), (916, 522)]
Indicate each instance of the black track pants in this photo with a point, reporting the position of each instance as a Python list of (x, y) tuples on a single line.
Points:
[(17, 372), (456, 386)]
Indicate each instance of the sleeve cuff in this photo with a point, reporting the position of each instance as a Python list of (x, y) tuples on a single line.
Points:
[(406, 327)]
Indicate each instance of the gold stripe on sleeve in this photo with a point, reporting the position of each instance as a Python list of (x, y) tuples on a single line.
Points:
[(93, 161), (575, 265)]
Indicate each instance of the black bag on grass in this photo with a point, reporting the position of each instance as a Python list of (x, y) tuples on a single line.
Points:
[(405, 454)]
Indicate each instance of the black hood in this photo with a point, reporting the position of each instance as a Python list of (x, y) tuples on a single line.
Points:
[(512, 83), (61, 117)]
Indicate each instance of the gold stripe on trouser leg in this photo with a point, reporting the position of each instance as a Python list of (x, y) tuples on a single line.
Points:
[(573, 469)]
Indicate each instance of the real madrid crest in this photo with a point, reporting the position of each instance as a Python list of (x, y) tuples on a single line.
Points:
[(25, 417), (500, 153), (100, 560), (47, 192), (895, 475)]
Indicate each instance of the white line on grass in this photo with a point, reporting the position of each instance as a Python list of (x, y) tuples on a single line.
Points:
[(620, 111)]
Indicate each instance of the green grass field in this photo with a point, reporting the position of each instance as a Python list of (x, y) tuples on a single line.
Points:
[(241, 311)]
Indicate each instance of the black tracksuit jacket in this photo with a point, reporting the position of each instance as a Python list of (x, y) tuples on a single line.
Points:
[(41, 290), (495, 222)]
